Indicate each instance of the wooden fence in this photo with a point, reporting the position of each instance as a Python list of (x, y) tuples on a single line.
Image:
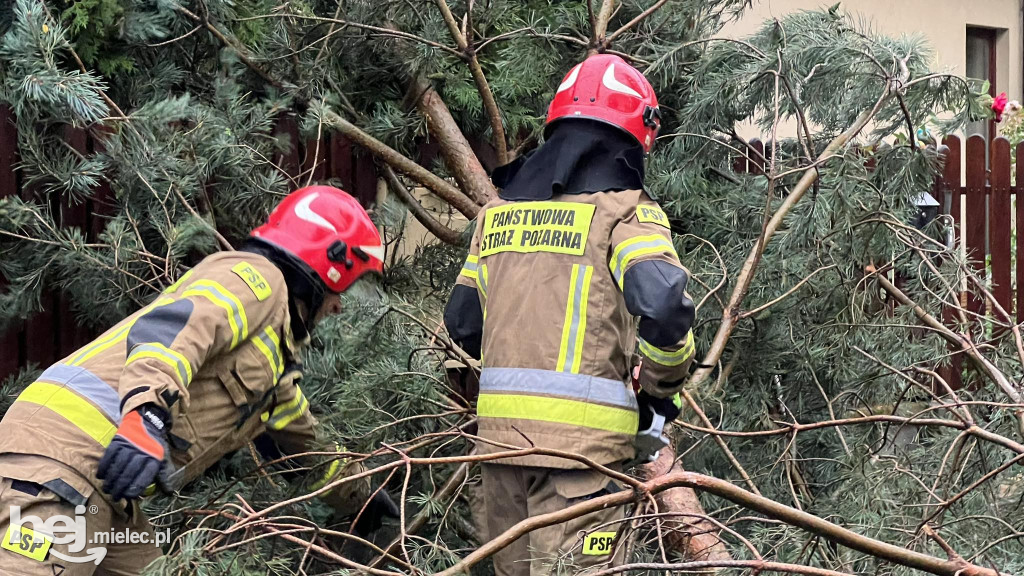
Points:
[(979, 189), (976, 189), (54, 333)]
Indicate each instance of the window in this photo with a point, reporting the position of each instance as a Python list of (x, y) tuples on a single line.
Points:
[(981, 64)]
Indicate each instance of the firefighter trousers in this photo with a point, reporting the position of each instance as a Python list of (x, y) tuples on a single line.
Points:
[(54, 524), (515, 493)]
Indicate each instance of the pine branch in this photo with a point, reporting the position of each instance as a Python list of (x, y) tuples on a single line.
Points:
[(470, 55), (732, 313)]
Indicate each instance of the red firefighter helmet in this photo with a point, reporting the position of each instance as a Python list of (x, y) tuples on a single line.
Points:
[(605, 88), (329, 231)]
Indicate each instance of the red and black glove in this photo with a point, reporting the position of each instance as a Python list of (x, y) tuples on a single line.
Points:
[(136, 456)]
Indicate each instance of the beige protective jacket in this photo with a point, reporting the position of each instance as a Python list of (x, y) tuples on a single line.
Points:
[(555, 285), (215, 350)]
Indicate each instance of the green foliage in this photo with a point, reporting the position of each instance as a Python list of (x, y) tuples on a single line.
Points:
[(198, 132)]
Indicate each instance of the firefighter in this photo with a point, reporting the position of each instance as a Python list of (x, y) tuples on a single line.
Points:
[(209, 365), (560, 265)]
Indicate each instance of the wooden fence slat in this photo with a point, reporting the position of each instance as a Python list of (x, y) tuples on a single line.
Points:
[(315, 160), (951, 174), (10, 340), (288, 161), (365, 186), (974, 227), (999, 224), (756, 165), (1020, 227), (341, 161)]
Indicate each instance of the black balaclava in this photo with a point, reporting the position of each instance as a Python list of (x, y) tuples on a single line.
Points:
[(304, 285), (579, 156)]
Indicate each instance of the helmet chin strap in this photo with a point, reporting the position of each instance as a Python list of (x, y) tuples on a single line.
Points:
[(304, 286)]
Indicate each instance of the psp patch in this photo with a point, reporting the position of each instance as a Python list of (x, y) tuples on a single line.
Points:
[(653, 215), (252, 277), (27, 542), (599, 543)]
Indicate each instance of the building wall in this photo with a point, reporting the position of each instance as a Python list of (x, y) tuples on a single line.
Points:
[(943, 22)]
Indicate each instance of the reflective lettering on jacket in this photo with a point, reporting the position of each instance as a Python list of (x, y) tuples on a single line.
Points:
[(556, 227)]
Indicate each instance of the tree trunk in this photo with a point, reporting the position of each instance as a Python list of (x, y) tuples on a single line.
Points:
[(458, 154), (690, 535)]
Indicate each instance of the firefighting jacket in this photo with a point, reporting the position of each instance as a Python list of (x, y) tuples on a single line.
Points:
[(215, 350), (547, 297)]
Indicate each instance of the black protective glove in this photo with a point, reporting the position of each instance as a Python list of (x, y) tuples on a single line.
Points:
[(667, 407), (136, 457), (372, 518)]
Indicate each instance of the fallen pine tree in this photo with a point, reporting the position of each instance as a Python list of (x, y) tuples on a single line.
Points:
[(818, 366)]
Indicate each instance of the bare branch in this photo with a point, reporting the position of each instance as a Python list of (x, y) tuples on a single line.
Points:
[(640, 18), (442, 232)]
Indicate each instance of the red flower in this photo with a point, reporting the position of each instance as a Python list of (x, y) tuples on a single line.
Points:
[(999, 105)]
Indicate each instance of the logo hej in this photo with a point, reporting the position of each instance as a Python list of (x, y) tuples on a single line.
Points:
[(31, 537)]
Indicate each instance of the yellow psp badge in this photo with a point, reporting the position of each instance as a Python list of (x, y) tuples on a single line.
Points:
[(256, 282), (27, 542), (599, 543)]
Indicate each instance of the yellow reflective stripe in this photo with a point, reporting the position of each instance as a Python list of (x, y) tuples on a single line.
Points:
[(281, 422), (270, 357), (72, 408), (102, 344), (634, 248), (582, 328), (563, 347), (559, 410), (284, 414), (472, 258), (273, 356), (220, 296), (174, 287), (481, 279), (172, 358), (574, 327), (666, 358), (331, 471)]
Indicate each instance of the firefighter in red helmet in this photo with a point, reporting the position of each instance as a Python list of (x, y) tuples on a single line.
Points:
[(578, 245), (211, 364)]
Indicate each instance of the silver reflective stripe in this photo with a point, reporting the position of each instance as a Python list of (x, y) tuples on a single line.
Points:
[(183, 370), (219, 297), (578, 303), (471, 266), (573, 386), (87, 385), (274, 351)]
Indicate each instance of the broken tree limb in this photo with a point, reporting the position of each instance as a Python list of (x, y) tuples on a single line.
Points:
[(695, 539), (737, 495), (459, 156), (451, 194), (963, 343), (482, 86), (732, 312), (443, 233), (400, 162)]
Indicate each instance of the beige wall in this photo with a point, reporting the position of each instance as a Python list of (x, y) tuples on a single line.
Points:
[(943, 22)]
